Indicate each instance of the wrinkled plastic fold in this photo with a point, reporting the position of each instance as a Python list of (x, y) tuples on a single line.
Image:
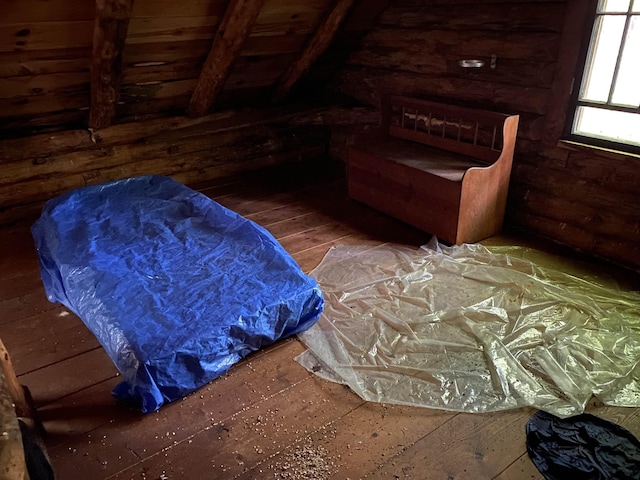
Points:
[(175, 287), (468, 329)]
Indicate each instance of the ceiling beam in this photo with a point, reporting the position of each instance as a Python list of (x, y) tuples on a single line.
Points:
[(109, 36), (233, 30), (320, 41)]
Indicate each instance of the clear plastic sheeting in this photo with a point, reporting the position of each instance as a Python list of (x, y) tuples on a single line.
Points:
[(467, 329)]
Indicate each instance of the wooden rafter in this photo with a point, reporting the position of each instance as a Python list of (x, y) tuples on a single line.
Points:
[(109, 35), (321, 39), (234, 29)]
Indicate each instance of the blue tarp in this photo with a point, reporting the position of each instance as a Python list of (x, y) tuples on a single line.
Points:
[(175, 287)]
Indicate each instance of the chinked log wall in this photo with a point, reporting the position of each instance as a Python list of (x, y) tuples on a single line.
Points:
[(33, 169), (578, 198), (45, 52)]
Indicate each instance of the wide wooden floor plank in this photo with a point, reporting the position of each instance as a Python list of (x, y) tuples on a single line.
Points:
[(249, 383), (30, 304), (244, 440), (71, 375), (522, 469), (468, 446), (46, 338), (359, 441)]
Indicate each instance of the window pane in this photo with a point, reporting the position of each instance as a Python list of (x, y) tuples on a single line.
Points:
[(613, 6), (626, 91), (636, 6), (608, 125), (603, 53)]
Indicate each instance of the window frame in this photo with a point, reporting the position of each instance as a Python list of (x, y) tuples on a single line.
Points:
[(575, 102)]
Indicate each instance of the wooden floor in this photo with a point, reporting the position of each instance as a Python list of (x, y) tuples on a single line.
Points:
[(267, 417)]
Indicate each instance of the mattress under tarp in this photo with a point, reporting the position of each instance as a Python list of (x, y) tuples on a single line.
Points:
[(175, 287)]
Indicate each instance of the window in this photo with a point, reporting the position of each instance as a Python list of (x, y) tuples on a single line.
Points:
[(606, 106)]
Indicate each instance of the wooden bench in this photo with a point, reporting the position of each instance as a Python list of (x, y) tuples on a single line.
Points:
[(442, 168)]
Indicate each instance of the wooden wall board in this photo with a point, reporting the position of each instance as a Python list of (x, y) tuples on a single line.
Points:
[(170, 8), (509, 71), (150, 73), (171, 29), (283, 17), (618, 250), (552, 180), (560, 231), (133, 92), (139, 54), (45, 35), (48, 84), (365, 84), (185, 63), (252, 71), (49, 145), (502, 17), (36, 124), (41, 62), (611, 222), (467, 44), (17, 108), (34, 11), (360, 19), (604, 223), (274, 44)]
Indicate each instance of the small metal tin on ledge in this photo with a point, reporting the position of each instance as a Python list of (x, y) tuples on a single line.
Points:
[(473, 63)]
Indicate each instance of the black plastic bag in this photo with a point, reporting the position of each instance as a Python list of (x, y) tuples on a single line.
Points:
[(583, 447)]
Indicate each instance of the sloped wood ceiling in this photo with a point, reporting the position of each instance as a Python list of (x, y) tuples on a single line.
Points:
[(72, 64)]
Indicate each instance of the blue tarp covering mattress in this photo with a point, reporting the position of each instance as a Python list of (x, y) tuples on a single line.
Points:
[(175, 287)]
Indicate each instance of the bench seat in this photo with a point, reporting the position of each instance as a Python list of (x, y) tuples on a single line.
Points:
[(444, 169), (442, 163)]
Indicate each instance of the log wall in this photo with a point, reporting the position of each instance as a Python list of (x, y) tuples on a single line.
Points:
[(579, 198), (192, 151), (46, 46)]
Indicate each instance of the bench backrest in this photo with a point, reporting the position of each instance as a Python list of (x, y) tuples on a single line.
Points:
[(471, 132)]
